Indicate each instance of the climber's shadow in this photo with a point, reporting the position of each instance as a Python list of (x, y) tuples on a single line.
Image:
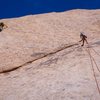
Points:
[(97, 43)]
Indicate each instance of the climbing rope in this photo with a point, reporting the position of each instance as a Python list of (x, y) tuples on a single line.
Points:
[(92, 59), (95, 51), (95, 64)]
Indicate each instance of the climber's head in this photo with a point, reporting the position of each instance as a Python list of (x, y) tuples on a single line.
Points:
[(1, 24)]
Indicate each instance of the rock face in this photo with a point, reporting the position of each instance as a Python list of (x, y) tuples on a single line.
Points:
[(41, 59)]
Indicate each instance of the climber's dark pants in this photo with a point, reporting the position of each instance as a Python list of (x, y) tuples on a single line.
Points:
[(84, 40)]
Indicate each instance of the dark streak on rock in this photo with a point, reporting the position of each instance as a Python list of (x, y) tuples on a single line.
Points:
[(45, 55)]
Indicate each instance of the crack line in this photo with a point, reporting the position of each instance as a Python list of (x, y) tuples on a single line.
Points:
[(29, 62)]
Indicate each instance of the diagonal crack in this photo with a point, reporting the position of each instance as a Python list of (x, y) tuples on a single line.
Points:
[(45, 55)]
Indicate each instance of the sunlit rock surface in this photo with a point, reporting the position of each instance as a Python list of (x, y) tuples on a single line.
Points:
[(39, 61)]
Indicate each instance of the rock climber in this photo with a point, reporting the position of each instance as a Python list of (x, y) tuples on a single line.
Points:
[(2, 26), (83, 39)]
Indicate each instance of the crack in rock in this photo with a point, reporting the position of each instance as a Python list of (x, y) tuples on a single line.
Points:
[(45, 55)]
